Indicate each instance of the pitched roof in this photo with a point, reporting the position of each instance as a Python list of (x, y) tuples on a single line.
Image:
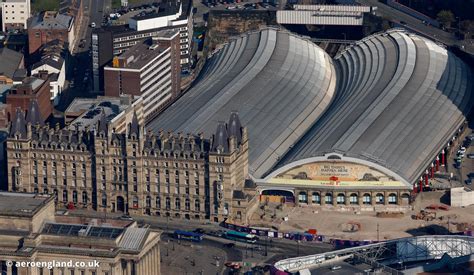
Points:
[(134, 126), (10, 61), (235, 128), (221, 138), (133, 238), (33, 115), (51, 20), (18, 126)]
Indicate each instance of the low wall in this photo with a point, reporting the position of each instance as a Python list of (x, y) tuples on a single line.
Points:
[(461, 196)]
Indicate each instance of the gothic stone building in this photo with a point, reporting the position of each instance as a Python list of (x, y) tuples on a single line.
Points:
[(164, 174)]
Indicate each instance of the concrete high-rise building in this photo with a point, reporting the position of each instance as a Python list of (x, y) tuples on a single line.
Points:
[(150, 69), (110, 41), (15, 14)]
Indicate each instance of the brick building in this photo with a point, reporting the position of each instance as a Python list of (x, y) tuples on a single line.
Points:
[(166, 174), (75, 9), (32, 91), (150, 69), (49, 26)]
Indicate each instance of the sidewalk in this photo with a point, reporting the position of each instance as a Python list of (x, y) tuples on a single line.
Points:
[(83, 25)]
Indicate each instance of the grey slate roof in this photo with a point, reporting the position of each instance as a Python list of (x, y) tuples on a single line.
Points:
[(51, 20), (10, 61), (18, 125), (399, 99), (278, 82), (52, 60), (33, 115)]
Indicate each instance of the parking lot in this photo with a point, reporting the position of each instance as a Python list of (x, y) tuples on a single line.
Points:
[(464, 158)]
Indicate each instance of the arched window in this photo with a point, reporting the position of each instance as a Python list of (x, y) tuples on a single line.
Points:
[(45, 191), (158, 202), (148, 201), (197, 205), (366, 199), (84, 197), (55, 192), (65, 196), (353, 199), (74, 196), (328, 198), (379, 198), (302, 197), (177, 204), (135, 202), (104, 200), (341, 198), (392, 198), (168, 204), (316, 198), (187, 205)]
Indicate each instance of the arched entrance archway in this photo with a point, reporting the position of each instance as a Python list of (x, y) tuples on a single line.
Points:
[(120, 204), (286, 195)]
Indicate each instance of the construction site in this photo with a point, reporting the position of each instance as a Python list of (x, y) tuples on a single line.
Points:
[(427, 215)]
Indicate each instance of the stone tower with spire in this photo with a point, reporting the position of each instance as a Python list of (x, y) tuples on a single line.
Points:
[(228, 169), (179, 175)]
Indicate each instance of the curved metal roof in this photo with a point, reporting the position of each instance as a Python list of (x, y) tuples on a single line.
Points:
[(399, 99), (278, 82)]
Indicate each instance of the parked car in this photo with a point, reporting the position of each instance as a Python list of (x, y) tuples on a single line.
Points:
[(462, 149), (126, 218), (93, 25), (336, 267)]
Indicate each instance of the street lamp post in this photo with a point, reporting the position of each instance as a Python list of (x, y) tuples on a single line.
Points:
[(266, 246), (378, 232), (297, 248)]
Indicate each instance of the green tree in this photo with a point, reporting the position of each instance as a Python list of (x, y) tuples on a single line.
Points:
[(445, 17)]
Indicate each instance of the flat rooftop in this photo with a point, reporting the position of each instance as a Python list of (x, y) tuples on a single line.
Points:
[(166, 8), (90, 109), (21, 204), (141, 54)]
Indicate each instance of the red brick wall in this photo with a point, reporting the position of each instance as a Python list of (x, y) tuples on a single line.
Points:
[(23, 97), (121, 82), (37, 38), (111, 83)]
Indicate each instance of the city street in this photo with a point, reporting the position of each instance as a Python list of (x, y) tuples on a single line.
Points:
[(412, 23), (79, 76), (277, 249)]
